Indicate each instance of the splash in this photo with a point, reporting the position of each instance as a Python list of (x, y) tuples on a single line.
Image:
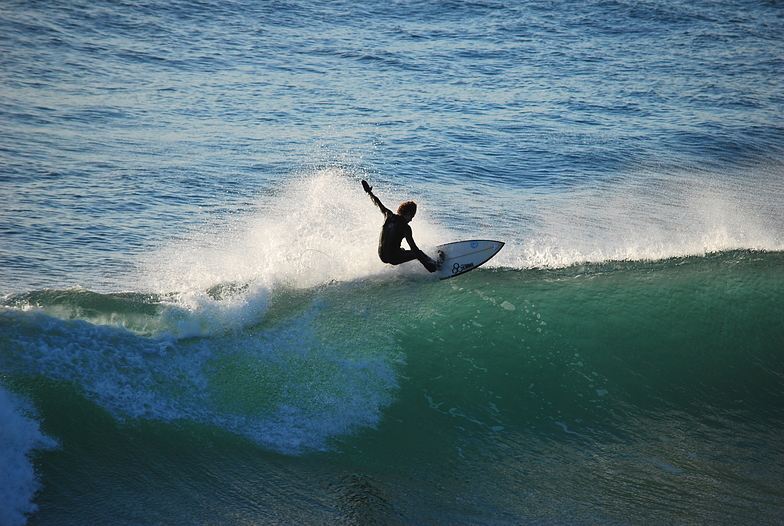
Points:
[(318, 229), (648, 214)]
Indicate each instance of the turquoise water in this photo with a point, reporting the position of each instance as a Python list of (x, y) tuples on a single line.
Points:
[(598, 393), (195, 327)]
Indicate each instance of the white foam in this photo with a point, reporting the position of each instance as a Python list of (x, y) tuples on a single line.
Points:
[(648, 214), (19, 437)]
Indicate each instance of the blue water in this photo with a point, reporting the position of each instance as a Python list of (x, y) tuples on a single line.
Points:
[(195, 327)]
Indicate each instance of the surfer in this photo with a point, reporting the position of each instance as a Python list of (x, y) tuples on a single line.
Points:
[(396, 229)]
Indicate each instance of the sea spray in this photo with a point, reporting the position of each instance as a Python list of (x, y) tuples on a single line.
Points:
[(318, 228)]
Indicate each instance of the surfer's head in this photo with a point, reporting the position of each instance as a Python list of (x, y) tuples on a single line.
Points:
[(407, 210)]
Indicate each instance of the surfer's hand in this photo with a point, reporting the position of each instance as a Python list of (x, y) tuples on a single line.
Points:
[(366, 186)]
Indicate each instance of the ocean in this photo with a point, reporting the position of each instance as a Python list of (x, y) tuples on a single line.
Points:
[(195, 327)]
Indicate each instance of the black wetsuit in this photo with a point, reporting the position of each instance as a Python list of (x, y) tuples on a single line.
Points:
[(394, 231)]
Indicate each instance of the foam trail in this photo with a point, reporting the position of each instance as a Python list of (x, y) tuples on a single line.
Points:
[(19, 437)]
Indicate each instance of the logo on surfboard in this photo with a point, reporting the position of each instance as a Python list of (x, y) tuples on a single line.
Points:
[(457, 268)]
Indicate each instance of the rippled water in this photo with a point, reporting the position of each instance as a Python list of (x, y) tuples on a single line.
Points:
[(188, 258)]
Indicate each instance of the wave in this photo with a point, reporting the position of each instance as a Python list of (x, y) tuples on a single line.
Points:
[(499, 364), (288, 379), (313, 363), (595, 323)]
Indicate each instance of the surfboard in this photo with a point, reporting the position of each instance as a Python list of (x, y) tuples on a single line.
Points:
[(463, 256)]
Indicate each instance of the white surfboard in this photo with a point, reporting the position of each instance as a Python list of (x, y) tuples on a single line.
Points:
[(462, 256)]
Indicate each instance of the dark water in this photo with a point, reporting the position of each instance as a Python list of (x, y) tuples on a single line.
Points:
[(195, 328)]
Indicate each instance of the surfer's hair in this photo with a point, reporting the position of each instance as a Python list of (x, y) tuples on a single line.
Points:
[(409, 207)]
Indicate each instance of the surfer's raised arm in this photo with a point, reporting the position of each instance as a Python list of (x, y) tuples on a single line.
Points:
[(376, 201)]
